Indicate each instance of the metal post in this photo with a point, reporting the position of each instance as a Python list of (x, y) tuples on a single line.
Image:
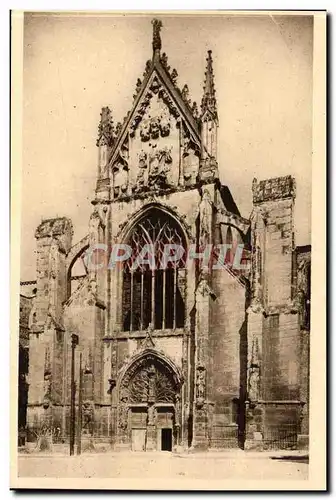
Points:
[(80, 405), (74, 343)]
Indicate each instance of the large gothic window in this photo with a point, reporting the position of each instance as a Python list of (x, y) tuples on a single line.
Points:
[(154, 289)]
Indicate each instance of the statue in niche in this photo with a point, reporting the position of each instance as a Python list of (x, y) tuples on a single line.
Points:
[(159, 167), (205, 210), (177, 408), (140, 180), (254, 383), (103, 162), (254, 372)]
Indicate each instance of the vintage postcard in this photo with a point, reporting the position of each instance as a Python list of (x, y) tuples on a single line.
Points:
[(168, 250)]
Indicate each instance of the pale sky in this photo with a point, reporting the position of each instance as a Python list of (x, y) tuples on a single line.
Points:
[(74, 65)]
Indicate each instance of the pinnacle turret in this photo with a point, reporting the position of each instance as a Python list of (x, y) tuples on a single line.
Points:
[(209, 94), (105, 128)]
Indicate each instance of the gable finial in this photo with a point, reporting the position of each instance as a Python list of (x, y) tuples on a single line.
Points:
[(209, 94), (157, 25)]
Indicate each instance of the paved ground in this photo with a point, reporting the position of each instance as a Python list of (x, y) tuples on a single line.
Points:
[(230, 465)]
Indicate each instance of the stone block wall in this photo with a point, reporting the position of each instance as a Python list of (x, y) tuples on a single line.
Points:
[(275, 345), (228, 331)]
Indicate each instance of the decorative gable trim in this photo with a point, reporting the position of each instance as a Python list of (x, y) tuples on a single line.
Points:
[(156, 78)]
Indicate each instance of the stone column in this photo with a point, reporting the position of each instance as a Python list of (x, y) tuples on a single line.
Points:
[(151, 428)]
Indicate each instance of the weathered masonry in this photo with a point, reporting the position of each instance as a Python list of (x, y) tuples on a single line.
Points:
[(187, 356)]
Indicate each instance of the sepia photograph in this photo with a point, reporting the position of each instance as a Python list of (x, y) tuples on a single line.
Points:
[(167, 173)]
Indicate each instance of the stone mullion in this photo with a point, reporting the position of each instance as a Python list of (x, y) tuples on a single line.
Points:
[(184, 411)]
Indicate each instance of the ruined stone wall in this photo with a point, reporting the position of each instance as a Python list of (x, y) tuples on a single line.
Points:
[(273, 416)]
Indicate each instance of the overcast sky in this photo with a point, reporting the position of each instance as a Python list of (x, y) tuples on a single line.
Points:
[(74, 65)]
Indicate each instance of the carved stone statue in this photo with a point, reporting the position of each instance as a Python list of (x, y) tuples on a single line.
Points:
[(205, 210), (164, 61), (254, 383), (159, 167), (200, 385)]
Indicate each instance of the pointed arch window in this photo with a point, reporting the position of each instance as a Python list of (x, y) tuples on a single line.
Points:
[(154, 292)]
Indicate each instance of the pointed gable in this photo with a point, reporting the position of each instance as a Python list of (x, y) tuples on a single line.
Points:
[(158, 146)]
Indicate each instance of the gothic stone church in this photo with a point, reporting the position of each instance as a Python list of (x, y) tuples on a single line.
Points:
[(186, 357)]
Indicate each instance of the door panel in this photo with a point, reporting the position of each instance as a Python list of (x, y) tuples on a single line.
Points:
[(138, 439), (166, 440)]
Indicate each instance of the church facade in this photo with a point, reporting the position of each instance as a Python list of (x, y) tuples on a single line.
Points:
[(209, 351)]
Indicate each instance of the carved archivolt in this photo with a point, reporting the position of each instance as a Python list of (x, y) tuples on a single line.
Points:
[(125, 227), (151, 384), (156, 126), (149, 379)]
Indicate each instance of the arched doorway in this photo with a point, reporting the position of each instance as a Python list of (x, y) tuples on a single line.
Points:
[(149, 404)]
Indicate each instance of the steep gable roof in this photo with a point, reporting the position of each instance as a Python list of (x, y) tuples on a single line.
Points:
[(158, 68)]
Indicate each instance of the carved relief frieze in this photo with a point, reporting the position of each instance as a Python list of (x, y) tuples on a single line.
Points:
[(205, 212)]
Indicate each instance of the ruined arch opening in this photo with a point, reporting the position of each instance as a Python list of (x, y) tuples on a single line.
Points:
[(153, 293), (76, 271)]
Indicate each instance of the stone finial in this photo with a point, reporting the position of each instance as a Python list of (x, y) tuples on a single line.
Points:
[(209, 98), (185, 93), (157, 25), (194, 110), (105, 128), (164, 61)]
